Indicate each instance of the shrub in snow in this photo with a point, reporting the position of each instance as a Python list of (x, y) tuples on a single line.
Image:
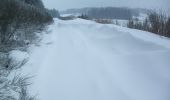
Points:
[(13, 87)]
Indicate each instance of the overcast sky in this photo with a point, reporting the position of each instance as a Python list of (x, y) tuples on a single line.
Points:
[(67, 4)]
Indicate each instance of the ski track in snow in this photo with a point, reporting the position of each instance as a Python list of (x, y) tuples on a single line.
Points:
[(83, 60)]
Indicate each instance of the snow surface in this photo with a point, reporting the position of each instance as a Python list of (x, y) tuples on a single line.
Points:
[(84, 60)]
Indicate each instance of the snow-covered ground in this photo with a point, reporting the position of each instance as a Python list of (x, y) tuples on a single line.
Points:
[(84, 60)]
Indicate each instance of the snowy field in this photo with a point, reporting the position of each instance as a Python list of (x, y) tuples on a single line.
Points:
[(84, 60)]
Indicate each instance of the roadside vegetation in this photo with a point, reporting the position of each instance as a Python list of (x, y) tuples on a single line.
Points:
[(156, 22), (20, 21)]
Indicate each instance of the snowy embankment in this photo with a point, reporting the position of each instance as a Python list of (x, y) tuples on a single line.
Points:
[(83, 60)]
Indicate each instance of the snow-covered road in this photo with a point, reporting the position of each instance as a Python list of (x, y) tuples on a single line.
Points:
[(83, 60)]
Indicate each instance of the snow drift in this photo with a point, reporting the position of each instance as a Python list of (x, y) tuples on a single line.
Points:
[(83, 60)]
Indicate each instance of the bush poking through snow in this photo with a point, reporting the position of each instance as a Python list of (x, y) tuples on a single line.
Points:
[(24, 95), (12, 88), (15, 89)]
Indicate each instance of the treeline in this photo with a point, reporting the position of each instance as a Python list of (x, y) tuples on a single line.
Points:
[(54, 13), (158, 23), (75, 11), (20, 21), (110, 13), (107, 12)]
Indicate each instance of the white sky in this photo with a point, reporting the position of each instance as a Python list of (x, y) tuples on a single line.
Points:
[(66, 4)]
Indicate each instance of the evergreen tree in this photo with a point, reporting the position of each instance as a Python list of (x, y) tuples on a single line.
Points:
[(168, 27)]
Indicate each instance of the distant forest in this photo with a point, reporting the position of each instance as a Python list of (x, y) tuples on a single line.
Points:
[(107, 12)]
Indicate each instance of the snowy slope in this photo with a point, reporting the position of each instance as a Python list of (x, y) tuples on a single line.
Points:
[(83, 60)]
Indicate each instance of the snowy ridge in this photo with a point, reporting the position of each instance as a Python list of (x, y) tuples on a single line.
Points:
[(83, 60)]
